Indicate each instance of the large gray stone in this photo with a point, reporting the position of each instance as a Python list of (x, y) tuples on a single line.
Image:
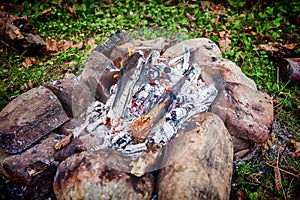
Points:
[(28, 166), (198, 162), (248, 113), (63, 89), (34, 169), (217, 71), (28, 118), (207, 48), (86, 176)]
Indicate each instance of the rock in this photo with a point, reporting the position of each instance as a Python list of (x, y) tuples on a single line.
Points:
[(27, 167), (96, 64), (248, 113), (104, 83), (112, 42), (206, 48), (13, 190), (217, 71), (34, 169), (82, 96), (198, 162), (76, 146), (70, 125), (85, 176), (239, 144), (97, 77), (63, 89), (289, 70), (28, 118)]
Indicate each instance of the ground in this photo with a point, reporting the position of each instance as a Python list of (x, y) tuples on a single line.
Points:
[(246, 31)]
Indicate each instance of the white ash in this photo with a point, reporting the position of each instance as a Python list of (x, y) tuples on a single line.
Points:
[(138, 92)]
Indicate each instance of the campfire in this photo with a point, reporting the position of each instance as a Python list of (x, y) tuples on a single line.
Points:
[(139, 117)]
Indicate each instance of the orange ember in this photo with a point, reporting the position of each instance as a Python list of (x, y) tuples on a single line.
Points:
[(166, 85), (115, 76), (130, 51)]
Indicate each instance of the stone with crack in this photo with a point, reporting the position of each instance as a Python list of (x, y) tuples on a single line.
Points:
[(28, 118), (248, 113)]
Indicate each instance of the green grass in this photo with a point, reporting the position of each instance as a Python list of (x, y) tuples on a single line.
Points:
[(247, 23)]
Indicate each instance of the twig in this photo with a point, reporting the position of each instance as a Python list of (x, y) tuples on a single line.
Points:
[(284, 170)]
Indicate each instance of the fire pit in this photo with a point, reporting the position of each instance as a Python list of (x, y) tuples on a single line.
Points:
[(140, 117)]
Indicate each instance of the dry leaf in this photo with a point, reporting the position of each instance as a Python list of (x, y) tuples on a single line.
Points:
[(271, 46), (52, 45), (296, 147), (290, 46), (71, 10), (78, 45), (28, 61), (25, 86), (30, 84), (67, 45), (205, 4), (18, 34), (216, 20), (46, 12), (241, 195), (222, 33), (190, 17), (90, 42), (224, 43)]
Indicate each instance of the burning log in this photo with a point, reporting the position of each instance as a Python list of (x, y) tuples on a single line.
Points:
[(144, 124)]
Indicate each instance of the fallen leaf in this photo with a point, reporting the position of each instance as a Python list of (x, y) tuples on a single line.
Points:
[(216, 20), (25, 86), (224, 43), (205, 4), (67, 45), (18, 33), (46, 12), (241, 195), (241, 60), (190, 17), (290, 46), (78, 45), (52, 45), (222, 33), (296, 147), (30, 84), (90, 42), (270, 46), (71, 10), (28, 61)]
